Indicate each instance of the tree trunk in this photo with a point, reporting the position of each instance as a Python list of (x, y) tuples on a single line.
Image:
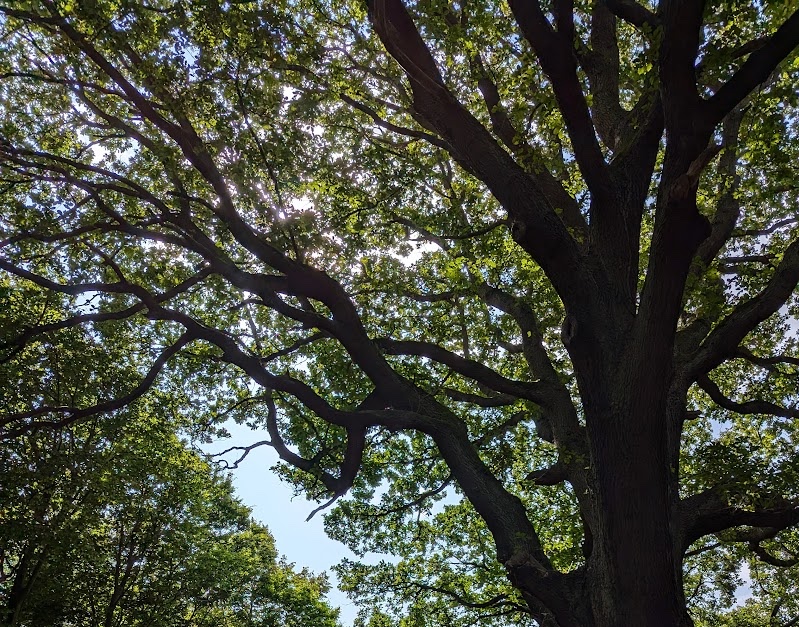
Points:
[(23, 582), (634, 571)]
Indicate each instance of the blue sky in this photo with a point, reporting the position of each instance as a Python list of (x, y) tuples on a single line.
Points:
[(274, 504)]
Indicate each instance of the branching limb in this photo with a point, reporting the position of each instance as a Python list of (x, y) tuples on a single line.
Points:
[(532, 341), (710, 512), (634, 13), (728, 207), (535, 224), (442, 240), (768, 558), (502, 428), (499, 600), (394, 128), (753, 537), (552, 475), (245, 451), (682, 23), (747, 407), (525, 154), (536, 392), (356, 440), (756, 69), (779, 224), (679, 226), (440, 297), (724, 340), (555, 52), (769, 363), (560, 423), (74, 321), (74, 414), (300, 343), (512, 530), (75, 289), (601, 64), (498, 400)]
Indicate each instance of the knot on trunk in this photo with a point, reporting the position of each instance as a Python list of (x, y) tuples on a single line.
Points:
[(568, 330)]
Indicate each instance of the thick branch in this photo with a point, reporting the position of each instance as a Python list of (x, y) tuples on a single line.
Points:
[(499, 400), (356, 440), (408, 132), (728, 208), (536, 392), (525, 153), (499, 600), (602, 67), (747, 407), (682, 23), (709, 512), (724, 340), (634, 13), (504, 514), (768, 558), (532, 342), (555, 51), (536, 226), (757, 68), (769, 363)]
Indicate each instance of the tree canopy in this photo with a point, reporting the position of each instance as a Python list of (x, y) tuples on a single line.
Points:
[(117, 522), (517, 280)]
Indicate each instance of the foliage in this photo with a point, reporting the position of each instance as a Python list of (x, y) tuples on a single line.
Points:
[(117, 522), (518, 278)]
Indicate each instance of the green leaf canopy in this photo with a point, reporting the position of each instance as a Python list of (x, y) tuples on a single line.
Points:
[(519, 278)]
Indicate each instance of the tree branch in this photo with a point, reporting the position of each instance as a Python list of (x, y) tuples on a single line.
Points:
[(724, 340), (74, 414), (747, 407), (555, 52), (245, 451), (634, 13), (401, 130), (710, 512), (728, 207), (535, 224), (768, 558), (499, 400), (756, 69), (601, 64), (536, 392), (525, 154), (74, 321)]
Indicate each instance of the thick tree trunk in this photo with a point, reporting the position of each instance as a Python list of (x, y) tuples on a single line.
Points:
[(634, 569), (633, 572)]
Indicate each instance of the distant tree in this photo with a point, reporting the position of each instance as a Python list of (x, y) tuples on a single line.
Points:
[(540, 257), (118, 523)]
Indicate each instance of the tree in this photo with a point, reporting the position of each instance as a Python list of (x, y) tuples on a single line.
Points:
[(544, 254), (115, 521), (120, 524)]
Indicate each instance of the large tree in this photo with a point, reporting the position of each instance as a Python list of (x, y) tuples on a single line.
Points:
[(544, 253)]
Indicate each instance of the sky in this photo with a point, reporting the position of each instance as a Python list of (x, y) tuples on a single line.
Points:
[(273, 503)]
